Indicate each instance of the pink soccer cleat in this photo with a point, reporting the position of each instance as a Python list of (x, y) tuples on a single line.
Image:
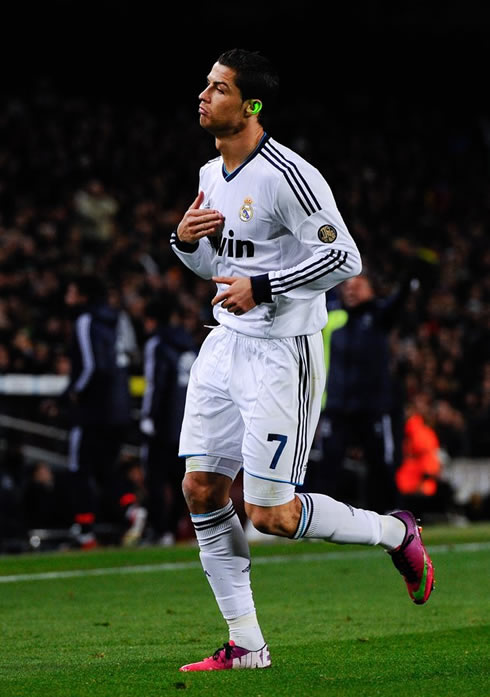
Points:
[(412, 561), (230, 657)]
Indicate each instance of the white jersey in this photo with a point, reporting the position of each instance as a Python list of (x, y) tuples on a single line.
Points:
[(283, 229)]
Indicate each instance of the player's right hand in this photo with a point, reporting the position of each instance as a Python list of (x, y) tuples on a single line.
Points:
[(199, 222)]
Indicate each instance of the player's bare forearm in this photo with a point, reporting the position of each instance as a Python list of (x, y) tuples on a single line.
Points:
[(237, 298), (199, 222)]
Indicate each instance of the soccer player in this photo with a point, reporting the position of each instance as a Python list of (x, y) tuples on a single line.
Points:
[(266, 229)]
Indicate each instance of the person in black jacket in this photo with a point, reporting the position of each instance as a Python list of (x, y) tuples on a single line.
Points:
[(361, 407), (169, 353), (99, 398)]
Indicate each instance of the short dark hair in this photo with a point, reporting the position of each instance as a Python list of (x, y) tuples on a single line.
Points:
[(256, 77)]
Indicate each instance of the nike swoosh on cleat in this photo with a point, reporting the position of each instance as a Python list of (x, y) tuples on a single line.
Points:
[(418, 595)]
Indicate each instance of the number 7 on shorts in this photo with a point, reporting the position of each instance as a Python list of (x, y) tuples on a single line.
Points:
[(282, 444)]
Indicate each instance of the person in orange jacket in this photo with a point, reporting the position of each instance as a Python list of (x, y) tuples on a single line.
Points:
[(420, 471)]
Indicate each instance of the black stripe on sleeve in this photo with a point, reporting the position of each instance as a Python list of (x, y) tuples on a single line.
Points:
[(293, 165), (299, 181), (182, 246), (286, 172), (320, 267)]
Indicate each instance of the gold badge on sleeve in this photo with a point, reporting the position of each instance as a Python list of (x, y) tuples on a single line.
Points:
[(327, 233)]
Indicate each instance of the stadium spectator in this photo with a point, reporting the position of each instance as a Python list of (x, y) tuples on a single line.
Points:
[(419, 478), (168, 356), (98, 393), (96, 210)]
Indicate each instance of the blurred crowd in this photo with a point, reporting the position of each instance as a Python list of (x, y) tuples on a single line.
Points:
[(94, 185)]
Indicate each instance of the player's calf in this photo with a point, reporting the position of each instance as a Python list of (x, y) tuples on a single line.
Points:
[(279, 520)]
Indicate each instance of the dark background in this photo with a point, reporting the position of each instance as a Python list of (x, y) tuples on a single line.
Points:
[(157, 53)]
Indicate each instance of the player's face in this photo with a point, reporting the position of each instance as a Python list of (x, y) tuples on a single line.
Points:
[(73, 297), (221, 107), (356, 290)]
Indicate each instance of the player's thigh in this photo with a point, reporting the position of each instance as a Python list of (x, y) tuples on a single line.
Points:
[(280, 423), (212, 424)]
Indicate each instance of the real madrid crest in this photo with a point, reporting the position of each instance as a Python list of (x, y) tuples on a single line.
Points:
[(246, 211), (327, 233)]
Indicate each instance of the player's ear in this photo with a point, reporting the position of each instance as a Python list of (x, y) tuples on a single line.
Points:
[(253, 107)]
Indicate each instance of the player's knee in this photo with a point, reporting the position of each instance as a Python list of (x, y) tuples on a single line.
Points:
[(197, 492), (203, 493)]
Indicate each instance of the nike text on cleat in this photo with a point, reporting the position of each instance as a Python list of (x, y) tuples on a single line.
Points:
[(412, 561), (231, 657)]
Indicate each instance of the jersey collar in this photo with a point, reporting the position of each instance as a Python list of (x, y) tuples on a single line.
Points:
[(228, 176)]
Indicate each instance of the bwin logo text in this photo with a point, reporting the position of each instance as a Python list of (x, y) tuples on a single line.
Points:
[(235, 248)]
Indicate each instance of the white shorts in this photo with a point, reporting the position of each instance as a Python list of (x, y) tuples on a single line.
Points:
[(256, 402)]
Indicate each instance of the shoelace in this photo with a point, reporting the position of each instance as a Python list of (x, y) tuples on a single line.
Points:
[(228, 650), (403, 564)]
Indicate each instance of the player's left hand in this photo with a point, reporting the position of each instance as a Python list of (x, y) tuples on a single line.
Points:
[(237, 298)]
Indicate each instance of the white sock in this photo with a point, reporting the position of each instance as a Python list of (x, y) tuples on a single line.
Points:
[(394, 531), (225, 557), (328, 519), (245, 632)]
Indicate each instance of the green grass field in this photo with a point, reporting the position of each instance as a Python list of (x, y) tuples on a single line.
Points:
[(338, 620)]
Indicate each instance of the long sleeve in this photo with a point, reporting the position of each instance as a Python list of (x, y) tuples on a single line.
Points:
[(308, 210), (84, 371), (197, 258)]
